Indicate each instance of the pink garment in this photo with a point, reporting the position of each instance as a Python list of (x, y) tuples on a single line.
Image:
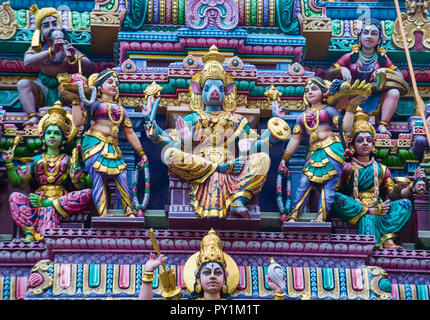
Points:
[(24, 215)]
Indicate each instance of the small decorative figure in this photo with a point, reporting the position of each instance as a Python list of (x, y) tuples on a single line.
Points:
[(209, 274), (51, 172), (368, 61), (207, 146), (323, 164), (102, 157), (54, 55), (366, 195)]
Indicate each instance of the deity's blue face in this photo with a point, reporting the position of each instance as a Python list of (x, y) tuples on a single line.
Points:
[(213, 92)]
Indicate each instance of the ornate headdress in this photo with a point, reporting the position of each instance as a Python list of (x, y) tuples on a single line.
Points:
[(211, 251), (323, 84), (58, 116), (361, 124), (39, 15), (212, 69)]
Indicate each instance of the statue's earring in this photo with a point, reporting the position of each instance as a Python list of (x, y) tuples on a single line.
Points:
[(99, 93), (374, 150), (62, 147), (352, 148), (198, 288), (224, 289), (116, 97), (43, 145)]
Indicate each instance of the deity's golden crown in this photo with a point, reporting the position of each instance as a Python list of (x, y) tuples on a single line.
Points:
[(211, 250), (57, 115), (361, 124), (213, 68)]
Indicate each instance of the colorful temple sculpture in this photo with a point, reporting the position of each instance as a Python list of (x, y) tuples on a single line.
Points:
[(280, 147)]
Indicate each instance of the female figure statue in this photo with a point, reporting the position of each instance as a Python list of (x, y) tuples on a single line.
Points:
[(366, 61), (366, 195), (324, 162), (102, 157), (51, 172)]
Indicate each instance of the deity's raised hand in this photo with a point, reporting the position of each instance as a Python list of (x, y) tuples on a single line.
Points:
[(183, 131), (8, 155)]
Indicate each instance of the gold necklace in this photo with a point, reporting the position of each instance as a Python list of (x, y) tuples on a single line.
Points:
[(115, 128), (313, 136), (51, 176)]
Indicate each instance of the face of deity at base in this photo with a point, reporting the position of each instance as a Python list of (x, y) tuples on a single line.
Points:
[(313, 93), (212, 277), (370, 37), (53, 137), (110, 86), (363, 144), (48, 25)]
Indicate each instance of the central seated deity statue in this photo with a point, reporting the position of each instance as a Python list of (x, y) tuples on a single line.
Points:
[(204, 147)]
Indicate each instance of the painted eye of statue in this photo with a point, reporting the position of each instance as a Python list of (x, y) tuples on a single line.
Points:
[(221, 88), (360, 140), (205, 88), (218, 272)]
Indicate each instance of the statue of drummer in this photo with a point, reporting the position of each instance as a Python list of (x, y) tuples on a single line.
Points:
[(368, 61), (54, 55)]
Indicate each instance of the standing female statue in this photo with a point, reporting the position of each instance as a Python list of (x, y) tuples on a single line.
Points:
[(100, 147), (324, 162), (51, 172)]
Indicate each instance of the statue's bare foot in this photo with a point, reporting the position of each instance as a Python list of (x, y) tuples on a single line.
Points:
[(32, 121), (239, 209), (319, 218), (389, 244), (383, 129)]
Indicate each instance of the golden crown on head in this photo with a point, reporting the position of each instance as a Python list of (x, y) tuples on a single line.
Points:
[(211, 250), (58, 116), (361, 124), (213, 69)]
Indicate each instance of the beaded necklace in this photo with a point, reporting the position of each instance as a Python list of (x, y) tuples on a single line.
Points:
[(368, 62)]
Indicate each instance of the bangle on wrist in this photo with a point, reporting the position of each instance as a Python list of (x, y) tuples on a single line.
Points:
[(379, 207), (148, 277), (140, 152), (74, 61), (287, 156), (351, 108), (9, 165), (51, 54)]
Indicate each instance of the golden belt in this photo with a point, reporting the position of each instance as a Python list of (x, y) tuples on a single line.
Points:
[(323, 143), (102, 137), (51, 192)]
